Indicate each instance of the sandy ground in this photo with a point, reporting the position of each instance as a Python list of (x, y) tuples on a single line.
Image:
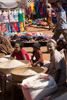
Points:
[(43, 48)]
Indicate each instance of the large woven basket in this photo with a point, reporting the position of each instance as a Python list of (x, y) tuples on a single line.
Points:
[(17, 73), (2, 55), (8, 70)]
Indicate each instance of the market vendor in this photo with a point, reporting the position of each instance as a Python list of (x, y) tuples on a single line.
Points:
[(19, 52), (57, 66), (38, 56), (5, 45)]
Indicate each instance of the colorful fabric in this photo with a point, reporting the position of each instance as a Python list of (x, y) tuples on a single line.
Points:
[(15, 15), (8, 26), (49, 20), (18, 26), (15, 26), (21, 26), (19, 55), (32, 7), (4, 27), (11, 18), (12, 28), (5, 17), (20, 14)]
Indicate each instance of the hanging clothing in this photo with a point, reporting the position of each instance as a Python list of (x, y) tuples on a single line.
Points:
[(11, 18), (1, 17), (5, 17), (5, 45), (21, 19), (36, 7), (15, 26), (18, 25), (29, 10), (1, 29), (21, 26), (15, 15), (4, 27), (41, 9), (8, 26), (12, 28)]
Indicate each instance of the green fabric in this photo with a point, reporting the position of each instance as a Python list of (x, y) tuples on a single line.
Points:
[(21, 19)]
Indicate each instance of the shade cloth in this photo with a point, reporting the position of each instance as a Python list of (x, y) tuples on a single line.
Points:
[(8, 3)]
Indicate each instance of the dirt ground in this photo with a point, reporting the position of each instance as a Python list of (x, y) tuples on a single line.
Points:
[(43, 48)]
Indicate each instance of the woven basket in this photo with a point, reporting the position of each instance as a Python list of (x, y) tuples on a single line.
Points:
[(2, 55), (17, 73), (8, 70)]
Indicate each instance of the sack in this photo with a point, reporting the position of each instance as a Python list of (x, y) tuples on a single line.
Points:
[(33, 89)]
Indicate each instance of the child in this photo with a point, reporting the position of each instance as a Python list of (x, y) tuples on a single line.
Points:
[(61, 47), (38, 55), (20, 53)]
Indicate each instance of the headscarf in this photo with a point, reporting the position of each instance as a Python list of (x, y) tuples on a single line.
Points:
[(52, 41)]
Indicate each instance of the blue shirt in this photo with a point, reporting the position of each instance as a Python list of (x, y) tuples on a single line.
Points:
[(62, 14)]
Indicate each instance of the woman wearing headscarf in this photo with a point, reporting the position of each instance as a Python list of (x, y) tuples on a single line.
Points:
[(49, 16), (57, 66), (5, 45)]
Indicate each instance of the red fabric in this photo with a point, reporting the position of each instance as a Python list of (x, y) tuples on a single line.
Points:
[(19, 55), (15, 26), (37, 55), (29, 10)]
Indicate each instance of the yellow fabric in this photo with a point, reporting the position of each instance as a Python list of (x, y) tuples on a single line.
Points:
[(21, 26), (32, 7)]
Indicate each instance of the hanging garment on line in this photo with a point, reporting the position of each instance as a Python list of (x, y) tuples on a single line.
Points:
[(21, 19), (5, 17), (18, 25), (11, 18), (15, 15), (12, 28), (8, 26), (15, 26), (21, 26), (1, 17)]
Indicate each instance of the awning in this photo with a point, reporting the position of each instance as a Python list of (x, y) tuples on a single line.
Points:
[(8, 3)]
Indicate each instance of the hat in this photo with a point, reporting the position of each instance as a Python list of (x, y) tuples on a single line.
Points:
[(37, 45), (49, 5)]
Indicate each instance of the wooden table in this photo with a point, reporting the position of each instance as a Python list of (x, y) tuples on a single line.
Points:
[(14, 83), (29, 44)]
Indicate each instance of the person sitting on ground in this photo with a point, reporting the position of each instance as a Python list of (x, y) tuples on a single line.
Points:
[(38, 56), (57, 66), (61, 47), (19, 53), (5, 45)]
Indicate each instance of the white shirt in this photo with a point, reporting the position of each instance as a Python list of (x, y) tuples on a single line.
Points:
[(62, 14)]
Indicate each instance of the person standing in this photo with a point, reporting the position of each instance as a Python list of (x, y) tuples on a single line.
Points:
[(49, 16), (61, 26)]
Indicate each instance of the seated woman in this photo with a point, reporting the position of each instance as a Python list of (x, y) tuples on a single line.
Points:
[(61, 47), (57, 67), (38, 55), (5, 45), (19, 53)]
